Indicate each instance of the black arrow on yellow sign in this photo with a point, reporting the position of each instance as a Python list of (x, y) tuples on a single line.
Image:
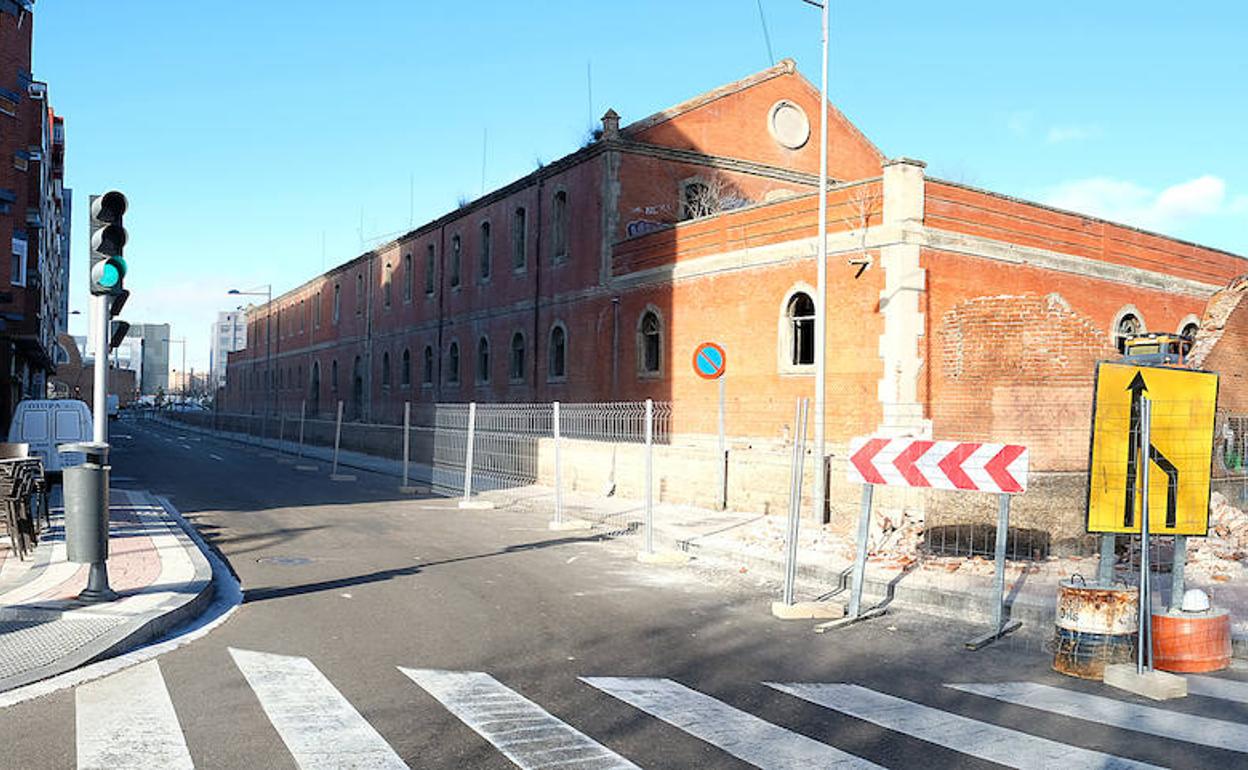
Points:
[(1138, 387)]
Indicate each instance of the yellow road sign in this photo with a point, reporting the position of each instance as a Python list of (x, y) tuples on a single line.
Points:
[(1183, 404)]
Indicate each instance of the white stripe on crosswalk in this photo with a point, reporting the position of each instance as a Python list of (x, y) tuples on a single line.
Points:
[(1223, 689), (1115, 713), (740, 734), (127, 720), (969, 736), (519, 728), (316, 723)]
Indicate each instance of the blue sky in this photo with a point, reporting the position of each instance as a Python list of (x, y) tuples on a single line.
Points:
[(248, 134)]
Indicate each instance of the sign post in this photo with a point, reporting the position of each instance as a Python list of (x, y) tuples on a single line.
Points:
[(951, 465), (709, 363)]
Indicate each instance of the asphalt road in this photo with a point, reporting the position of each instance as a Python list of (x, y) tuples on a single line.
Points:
[(349, 583)]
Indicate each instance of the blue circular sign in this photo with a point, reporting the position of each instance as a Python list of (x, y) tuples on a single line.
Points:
[(709, 361)]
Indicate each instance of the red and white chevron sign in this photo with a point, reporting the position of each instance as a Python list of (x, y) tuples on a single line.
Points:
[(911, 462)]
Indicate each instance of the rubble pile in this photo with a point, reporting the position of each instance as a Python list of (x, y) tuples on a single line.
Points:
[(1224, 553)]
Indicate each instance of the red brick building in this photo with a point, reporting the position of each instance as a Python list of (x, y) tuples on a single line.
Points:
[(952, 311), (34, 218)]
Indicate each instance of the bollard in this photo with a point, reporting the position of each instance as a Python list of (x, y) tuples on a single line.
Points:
[(472, 430), (406, 486), (86, 517), (334, 475)]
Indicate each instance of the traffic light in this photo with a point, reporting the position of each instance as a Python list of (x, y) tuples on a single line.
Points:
[(117, 333), (108, 238)]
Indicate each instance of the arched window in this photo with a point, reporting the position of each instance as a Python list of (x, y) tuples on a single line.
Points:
[(387, 281), (426, 377), (316, 311), (519, 228), (407, 277), (385, 369), (559, 226), (485, 250), (337, 303), (801, 324), (1188, 332), (302, 316), (483, 360), (359, 293), (430, 270), (649, 343), (1128, 326), (452, 364), (455, 253), (406, 375), (333, 375), (557, 366), (517, 357)]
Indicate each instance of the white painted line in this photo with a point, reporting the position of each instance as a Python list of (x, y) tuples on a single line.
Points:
[(185, 446), (127, 720), (317, 724), (1116, 713), (969, 736), (1212, 687), (742, 735), (522, 730), (218, 458)]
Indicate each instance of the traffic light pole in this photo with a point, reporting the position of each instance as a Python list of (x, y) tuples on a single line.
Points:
[(99, 391)]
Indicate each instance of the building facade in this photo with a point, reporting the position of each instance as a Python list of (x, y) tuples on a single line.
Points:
[(34, 218), (229, 334), (952, 310), (153, 342)]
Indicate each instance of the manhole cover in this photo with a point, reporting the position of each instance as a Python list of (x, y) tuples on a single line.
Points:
[(284, 561)]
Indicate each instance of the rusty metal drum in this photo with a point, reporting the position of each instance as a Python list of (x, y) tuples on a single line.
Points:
[(1096, 625)]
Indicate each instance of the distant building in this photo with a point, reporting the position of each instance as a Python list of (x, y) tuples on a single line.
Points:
[(34, 218), (153, 355), (229, 333), (75, 374)]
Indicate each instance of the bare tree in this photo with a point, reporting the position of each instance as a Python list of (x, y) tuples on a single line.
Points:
[(864, 202)]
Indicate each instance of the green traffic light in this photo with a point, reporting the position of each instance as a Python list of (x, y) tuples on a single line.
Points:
[(110, 276)]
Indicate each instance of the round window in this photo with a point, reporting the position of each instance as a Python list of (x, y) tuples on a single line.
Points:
[(788, 124)]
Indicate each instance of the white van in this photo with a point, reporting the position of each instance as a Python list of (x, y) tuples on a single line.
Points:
[(46, 423)]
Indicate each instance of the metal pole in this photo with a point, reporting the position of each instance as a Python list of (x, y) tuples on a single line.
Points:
[(1105, 571), (1177, 583), (337, 439), (795, 499), (99, 389), (860, 556), (649, 495), (281, 432), (303, 413), (723, 450), (1143, 656), (1003, 529), (472, 431), (268, 358), (555, 429), (407, 438), (821, 281)]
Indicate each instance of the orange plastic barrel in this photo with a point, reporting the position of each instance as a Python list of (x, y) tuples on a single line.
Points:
[(1192, 643)]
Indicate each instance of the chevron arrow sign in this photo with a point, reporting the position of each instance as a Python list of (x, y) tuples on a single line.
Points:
[(958, 465)]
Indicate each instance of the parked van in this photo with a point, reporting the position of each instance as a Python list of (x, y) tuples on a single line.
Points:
[(46, 423)]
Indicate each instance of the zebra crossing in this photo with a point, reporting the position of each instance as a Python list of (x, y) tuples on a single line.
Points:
[(128, 720)]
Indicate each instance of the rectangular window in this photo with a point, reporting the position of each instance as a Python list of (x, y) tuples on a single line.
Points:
[(430, 265), (407, 277), (337, 303), (519, 226), (559, 227), (455, 249), (18, 276)]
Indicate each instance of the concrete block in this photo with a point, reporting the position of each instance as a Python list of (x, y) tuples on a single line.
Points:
[(571, 525), (808, 610), (476, 505), (1157, 685), (669, 558)]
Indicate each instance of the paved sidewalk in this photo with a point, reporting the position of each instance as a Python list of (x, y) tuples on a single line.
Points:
[(753, 543), (160, 573)]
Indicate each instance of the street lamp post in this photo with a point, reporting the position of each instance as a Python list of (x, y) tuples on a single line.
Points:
[(268, 340)]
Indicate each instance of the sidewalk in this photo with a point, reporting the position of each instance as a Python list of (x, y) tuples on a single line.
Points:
[(163, 578), (753, 543)]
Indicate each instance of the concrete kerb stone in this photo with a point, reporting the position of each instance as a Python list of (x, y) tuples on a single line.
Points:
[(1154, 684), (129, 635)]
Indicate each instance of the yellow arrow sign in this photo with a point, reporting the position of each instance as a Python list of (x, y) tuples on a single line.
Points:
[(1180, 452)]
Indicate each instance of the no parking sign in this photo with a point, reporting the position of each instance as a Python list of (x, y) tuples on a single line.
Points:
[(709, 361)]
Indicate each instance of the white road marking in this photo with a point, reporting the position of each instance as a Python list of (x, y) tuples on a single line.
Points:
[(1116, 713), (127, 720), (317, 724), (218, 458), (1212, 687), (522, 730), (994, 743), (742, 735), (185, 446)]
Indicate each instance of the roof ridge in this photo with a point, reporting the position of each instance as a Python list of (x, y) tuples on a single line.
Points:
[(785, 66)]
